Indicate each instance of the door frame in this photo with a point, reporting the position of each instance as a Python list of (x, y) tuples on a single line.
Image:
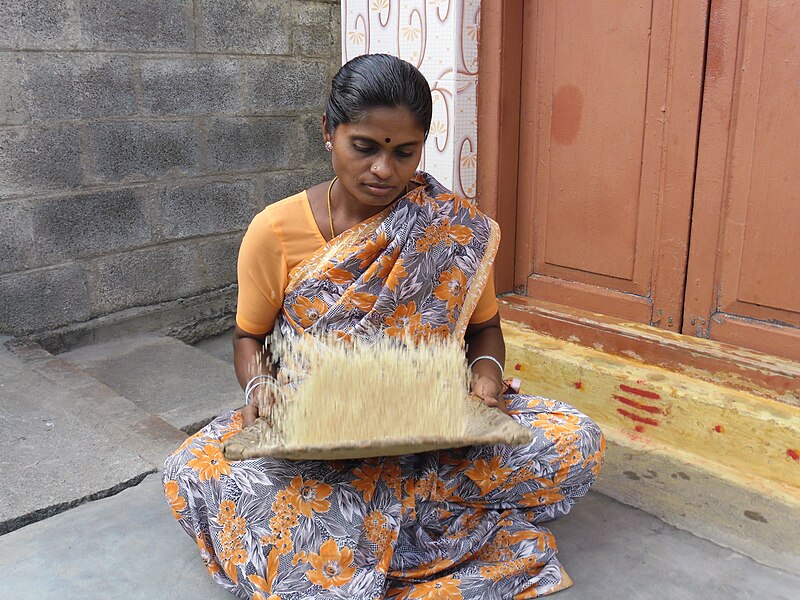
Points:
[(499, 94)]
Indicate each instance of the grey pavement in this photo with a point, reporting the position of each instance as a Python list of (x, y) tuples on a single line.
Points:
[(77, 442), (50, 458), (179, 383), (129, 546)]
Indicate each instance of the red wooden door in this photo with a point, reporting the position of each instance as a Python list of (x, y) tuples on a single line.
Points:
[(743, 283), (608, 130)]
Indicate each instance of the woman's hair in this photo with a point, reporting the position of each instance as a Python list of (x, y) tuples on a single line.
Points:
[(377, 80)]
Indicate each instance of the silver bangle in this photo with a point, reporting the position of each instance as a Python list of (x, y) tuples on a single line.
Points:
[(268, 381), (252, 384), (487, 357)]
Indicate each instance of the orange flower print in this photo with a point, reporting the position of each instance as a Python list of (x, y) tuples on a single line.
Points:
[(597, 457), (206, 555), (309, 495), (542, 497), (227, 510), (397, 273), (176, 503), (452, 287), (443, 588), (405, 317), (383, 266), (265, 585), (444, 233), (460, 233), (209, 462), (488, 475), (309, 310), (363, 300), (462, 203), (375, 527), (419, 198), (386, 553), (332, 568), (234, 426), (372, 249), (366, 479), (338, 276)]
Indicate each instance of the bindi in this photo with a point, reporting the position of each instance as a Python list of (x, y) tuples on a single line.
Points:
[(388, 140)]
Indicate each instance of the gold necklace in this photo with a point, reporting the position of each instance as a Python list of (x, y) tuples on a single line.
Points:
[(330, 214)]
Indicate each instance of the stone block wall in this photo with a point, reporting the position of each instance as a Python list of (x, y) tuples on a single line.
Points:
[(138, 139)]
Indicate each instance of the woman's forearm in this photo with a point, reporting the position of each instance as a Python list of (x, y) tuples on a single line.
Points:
[(250, 357), (486, 339)]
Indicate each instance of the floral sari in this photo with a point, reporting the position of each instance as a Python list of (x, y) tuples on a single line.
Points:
[(458, 524)]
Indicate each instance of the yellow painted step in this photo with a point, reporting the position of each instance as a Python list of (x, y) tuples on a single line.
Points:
[(675, 442)]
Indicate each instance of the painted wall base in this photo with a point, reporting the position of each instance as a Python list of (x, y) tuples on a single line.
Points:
[(719, 462)]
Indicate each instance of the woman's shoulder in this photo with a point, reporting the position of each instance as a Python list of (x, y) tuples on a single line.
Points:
[(276, 214)]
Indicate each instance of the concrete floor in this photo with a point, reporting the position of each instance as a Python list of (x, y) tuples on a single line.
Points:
[(128, 546)]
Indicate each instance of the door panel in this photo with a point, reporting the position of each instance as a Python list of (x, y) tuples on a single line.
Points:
[(608, 131), (743, 269)]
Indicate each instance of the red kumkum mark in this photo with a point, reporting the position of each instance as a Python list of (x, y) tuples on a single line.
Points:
[(719, 428), (639, 405), (518, 367), (791, 453), (638, 392), (637, 418), (639, 428), (578, 385)]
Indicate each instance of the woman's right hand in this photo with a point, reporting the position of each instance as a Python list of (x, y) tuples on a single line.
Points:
[(263, 396), (249, 414)]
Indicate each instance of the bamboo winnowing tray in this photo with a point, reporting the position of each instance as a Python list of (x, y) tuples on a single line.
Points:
[(484, 426)]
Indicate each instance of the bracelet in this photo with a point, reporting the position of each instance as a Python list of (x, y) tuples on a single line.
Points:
[(252, 384), (487, 357)]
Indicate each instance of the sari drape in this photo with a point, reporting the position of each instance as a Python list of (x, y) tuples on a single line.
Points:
[(458, 524)]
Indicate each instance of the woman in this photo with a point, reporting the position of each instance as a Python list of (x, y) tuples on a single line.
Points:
[(381, 250)]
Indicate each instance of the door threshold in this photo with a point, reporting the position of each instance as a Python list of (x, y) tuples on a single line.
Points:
[(715, 362)]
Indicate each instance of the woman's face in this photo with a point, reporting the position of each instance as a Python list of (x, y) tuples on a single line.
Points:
[(375, 157)]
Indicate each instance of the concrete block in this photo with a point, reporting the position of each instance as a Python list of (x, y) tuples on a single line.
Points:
[(213, 207), (188, 319), (250, 144), (142, 25), (313, 144), (250, 26), (143, 150), (75, 86), (38, 160), (36, 24), (191, 86), (89, 224), (315, 29), (218, 260), (287, 85), (278, 186), (42, 299), (143, 277), (12, 110), (16, 237)]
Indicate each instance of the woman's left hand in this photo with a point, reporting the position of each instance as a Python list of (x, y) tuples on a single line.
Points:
[(487, 388)]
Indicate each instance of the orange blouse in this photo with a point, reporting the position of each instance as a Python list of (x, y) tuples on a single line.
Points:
[(278, 239)]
